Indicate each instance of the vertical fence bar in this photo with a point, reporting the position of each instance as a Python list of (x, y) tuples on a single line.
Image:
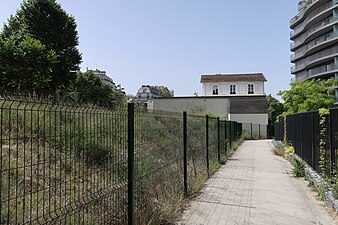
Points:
[(259, 131), (251, 131), (230, 137), (331, 144), (225, 136), (207, 140), (218, 141), (185, 157), (313, 140), (131, 132)]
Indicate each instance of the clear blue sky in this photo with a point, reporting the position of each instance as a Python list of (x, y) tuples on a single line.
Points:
[(173, 42)]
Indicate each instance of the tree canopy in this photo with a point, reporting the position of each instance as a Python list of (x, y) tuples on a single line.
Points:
[(88, 88), (25, 64), (47, 22), (309, 95), (164, 92), (275, 109)]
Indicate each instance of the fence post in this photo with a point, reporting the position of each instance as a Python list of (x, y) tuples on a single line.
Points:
[(230, 137), (259, 131), (131, 136), (332, 150), (207, 140), (251, 132), (225, 137), (185, 158), (218, 141)]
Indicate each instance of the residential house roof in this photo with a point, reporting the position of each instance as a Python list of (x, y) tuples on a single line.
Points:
[(232, 78)]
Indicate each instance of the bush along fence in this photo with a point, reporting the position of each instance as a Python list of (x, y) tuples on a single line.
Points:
[(65, 163), (314, 135)]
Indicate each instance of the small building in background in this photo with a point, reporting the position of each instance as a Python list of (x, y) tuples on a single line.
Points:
[(236, 97), (105, 79), (147, 92), (233, 84)]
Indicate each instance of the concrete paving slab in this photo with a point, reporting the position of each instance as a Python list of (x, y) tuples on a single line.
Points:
[(256, 187)]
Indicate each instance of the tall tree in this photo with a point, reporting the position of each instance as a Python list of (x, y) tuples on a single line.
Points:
[(47, 22), (25, 64), (309, 95), (275, 109)]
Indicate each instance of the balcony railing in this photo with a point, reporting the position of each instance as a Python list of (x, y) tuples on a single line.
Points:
[(301, 52), (301, 13), (321, 69), (312, 58), (304, 75), (315, 28), (312, 15)]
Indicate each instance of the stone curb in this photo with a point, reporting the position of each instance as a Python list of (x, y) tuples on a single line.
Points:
[(313, 176)]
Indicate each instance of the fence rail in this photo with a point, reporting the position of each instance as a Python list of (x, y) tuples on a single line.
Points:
[(73, 164), (308, 136)]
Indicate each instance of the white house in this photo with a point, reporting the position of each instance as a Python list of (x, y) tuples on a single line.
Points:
[(233, 84)]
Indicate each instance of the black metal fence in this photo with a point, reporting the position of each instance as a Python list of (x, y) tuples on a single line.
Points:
[(73, 164), (255, 131), (303, 131)]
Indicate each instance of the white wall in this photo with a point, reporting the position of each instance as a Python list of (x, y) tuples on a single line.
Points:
[(250, 118), (241, 88)]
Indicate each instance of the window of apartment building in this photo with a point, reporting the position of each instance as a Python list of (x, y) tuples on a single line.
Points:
[(215, 89), (250, 89), (232, 89)]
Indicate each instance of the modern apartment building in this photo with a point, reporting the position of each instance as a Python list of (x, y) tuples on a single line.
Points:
[(314, 38)]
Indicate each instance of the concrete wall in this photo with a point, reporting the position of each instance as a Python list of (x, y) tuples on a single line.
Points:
[(241, 88), (219, 106), (250, 118)]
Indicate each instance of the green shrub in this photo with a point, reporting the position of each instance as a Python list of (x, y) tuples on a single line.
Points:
[(298, 168)]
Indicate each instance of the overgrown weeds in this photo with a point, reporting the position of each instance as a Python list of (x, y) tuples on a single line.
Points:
[(298, 168)]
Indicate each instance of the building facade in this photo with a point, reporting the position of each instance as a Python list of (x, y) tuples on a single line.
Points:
[(314, 39), (146, 92), (237, 97), (233, 84), (104, 78)]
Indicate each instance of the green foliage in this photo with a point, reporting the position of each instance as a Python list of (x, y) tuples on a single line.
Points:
[(308, 95), (275, 109), (47, 22), (289, 151), (25, 64), (88, 88), (164, 92), (298, 168), (324, 143)]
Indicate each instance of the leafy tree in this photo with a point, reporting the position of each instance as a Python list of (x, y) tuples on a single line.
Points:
[(308, 95), (88, 88), (47, 22), (25, 64), (275, 109), (164, 92)]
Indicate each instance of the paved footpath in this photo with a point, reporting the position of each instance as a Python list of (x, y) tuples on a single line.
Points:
[(256, 187)]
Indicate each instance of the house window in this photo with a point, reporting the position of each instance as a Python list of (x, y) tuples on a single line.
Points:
[(250, 89), (215, 89), (232, 89)]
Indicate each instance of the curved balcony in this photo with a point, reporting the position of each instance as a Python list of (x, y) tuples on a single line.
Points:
[(313, 44), (317, 27), (319, 11), (315, 58), (316, 72), (301, 14)]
